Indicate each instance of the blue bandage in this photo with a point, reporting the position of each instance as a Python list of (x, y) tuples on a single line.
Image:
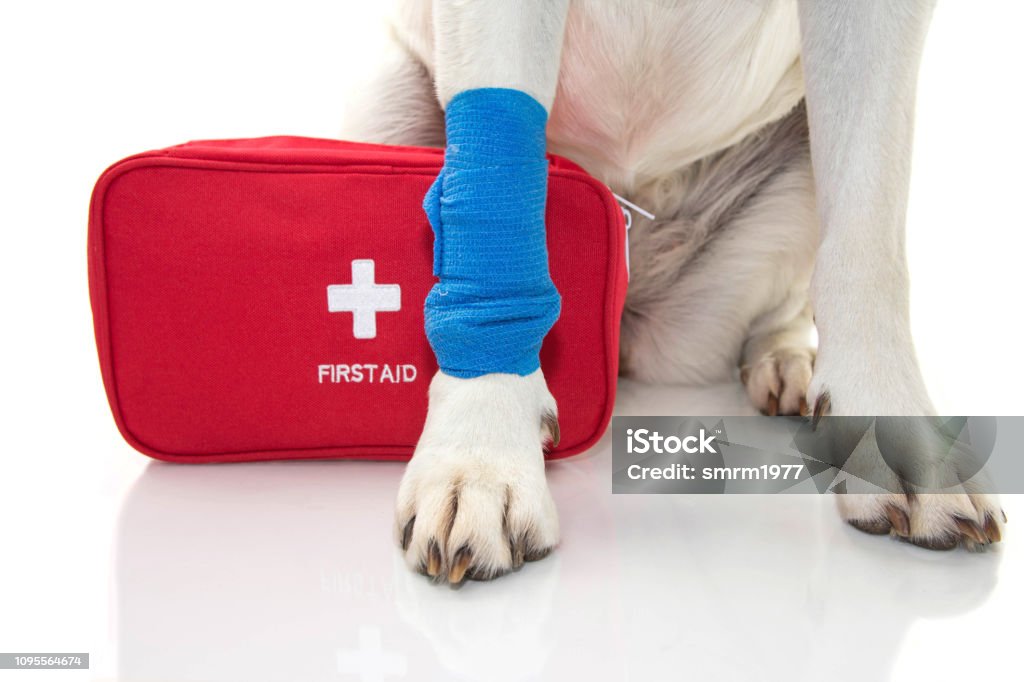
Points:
[(494, 300)]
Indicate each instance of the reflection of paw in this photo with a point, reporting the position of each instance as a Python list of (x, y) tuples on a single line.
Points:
[(487, 624), (474, 502), (933, 521), (777, 382)]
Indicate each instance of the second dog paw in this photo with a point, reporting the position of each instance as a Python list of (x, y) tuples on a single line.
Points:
[(777, 382), (933, 521)]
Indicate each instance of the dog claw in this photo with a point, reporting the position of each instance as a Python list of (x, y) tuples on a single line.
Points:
[(407, 533), (822, 406), (433, 560), (971, 530), (549, 423), (992, 531), (898, 519), (773, 405), (805, 410), (463, 558), (871, 527), (518, 548)]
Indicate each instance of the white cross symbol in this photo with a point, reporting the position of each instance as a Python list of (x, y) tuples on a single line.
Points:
[(364, 299), (370, 662)]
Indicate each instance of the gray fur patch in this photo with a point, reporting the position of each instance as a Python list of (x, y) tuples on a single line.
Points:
[(696, 205)]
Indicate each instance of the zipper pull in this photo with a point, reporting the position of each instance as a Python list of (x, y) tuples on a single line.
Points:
[(626, 205)]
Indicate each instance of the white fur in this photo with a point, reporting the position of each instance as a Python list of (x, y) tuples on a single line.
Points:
[(481, 453), (861, 62), (861, 129), (498, 45), (642, 94)]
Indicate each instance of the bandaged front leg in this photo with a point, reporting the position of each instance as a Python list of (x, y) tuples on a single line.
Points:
[(494, 300)]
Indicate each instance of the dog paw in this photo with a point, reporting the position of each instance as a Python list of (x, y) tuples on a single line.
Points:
[(939, 521), (777, 382), (474, 502), (932, 485)]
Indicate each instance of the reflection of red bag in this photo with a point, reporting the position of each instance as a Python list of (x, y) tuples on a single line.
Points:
[(263, 299)]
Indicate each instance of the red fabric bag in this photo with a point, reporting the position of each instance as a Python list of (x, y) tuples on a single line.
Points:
[(263, 299)]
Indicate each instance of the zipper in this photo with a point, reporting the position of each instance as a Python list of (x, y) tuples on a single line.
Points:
[(627, 213)]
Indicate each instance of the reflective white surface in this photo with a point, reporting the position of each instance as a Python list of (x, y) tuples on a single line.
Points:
[(287, 572)]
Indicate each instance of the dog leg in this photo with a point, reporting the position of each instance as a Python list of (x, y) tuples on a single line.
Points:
[(397, 106), (860, 65), (474, 501)]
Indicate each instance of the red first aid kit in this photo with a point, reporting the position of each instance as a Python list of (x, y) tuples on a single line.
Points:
[(263, 299)]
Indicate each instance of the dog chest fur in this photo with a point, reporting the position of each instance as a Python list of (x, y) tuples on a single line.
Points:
[(646, 87)]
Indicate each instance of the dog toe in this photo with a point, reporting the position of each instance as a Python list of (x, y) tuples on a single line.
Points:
[(777, 383)]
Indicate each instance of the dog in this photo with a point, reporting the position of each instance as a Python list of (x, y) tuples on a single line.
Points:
[(772, 141)]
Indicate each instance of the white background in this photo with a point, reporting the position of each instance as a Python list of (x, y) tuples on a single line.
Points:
[(282, 571)]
